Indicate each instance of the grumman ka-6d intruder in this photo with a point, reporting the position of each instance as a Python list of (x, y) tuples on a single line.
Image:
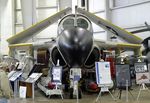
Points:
[(75, 46)]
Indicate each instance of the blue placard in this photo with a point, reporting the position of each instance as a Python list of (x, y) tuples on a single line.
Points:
[(76, 77), (103, 76)]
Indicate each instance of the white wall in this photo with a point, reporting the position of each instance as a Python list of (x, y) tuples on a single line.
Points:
[(96, 5), (132, 17), (127, 2), (128, 14), (64, 4), (46, 8), (6, 24), (28, 12), (98, 8)]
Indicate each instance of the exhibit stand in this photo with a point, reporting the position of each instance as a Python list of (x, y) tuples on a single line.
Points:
[(103, 78), (123, 80), (29, 83), (127, 90), (56, 80), (56, 83), (76, 90), (75, 75), (143, 87), (14, 79), (142, 77), (104, 88)]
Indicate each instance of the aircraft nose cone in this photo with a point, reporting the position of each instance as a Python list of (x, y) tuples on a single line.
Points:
[(75, 45)]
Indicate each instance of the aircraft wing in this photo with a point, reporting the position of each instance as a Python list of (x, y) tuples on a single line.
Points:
[(38, 44), (108, 26), (114, 45), (29, 32)]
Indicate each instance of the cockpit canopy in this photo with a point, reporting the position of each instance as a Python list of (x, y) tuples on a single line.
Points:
[(69, 21)]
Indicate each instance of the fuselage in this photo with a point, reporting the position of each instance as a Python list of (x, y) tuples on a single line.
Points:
[(75, 41)]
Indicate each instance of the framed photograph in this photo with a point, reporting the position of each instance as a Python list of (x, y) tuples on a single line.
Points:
[(142, 78), (103, 76)]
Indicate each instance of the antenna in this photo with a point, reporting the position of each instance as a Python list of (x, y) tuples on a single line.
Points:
[(75, 21)]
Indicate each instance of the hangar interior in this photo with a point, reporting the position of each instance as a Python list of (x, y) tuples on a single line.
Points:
[(76, 51)]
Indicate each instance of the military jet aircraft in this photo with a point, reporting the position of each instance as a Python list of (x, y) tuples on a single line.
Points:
[(75, 45)]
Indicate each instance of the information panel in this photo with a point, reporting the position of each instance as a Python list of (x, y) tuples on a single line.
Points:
[(57, 74), (103, 76), (142, 73), (123, 77)]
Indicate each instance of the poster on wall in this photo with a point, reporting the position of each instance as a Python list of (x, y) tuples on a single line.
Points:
[(123, 77), (142, 73), (103, 76)]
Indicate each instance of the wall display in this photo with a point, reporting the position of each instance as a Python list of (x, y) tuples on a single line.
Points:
[(142, 73), (57, 74), (103, 76), (123, 77)]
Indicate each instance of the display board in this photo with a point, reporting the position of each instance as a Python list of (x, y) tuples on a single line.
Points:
[(33, 77), (103, 76), (123, 77), (75, 74), (57, 74), (142, 73), (13, 75)]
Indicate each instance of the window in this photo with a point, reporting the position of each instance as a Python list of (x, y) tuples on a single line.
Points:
[(46, 3), (44, 9), (44, 13), (18, 28), (18, 24), (127, 2), (18, 17)]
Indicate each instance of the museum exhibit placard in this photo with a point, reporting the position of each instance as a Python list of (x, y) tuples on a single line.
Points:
[(123, 77), (103, 75), (142, 73), (57, 74)]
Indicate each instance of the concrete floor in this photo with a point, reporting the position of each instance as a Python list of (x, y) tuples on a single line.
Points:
[(88, 98)]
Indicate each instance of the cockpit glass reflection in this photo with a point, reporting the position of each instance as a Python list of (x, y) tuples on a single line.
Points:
[(68, 23), (82, 23)]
